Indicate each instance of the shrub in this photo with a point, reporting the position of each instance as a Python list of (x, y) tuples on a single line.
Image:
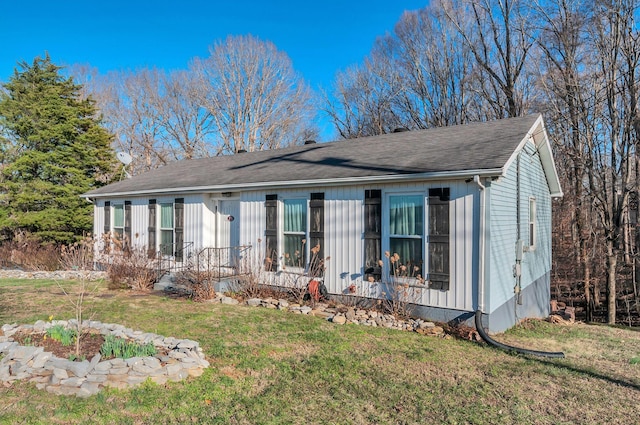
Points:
[(78, 256), (29, 254), (131, 269), (118, 347)]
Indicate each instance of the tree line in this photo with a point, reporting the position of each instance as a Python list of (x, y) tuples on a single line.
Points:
[(452, 62)]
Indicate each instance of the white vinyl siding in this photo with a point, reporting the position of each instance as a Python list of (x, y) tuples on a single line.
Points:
[(344, 237)]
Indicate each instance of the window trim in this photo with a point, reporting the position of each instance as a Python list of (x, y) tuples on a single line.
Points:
[(386, 236), (282, 233), (118, 231), (162, 229), (386, 231)]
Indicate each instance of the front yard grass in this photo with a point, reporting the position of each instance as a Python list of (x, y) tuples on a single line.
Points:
[(273, 367)]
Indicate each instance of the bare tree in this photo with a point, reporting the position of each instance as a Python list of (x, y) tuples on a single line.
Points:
[(496, 33), (419, 76), (187, 125), (567, 80), (363, 98), (129, 104), (436, 67), (255, 98), (615, 148)]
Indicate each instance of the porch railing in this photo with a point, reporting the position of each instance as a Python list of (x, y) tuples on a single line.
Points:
[(217, 263), (172, 258), (205, 264)]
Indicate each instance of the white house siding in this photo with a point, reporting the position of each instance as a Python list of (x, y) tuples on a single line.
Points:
[(344, 237), (503, 224)]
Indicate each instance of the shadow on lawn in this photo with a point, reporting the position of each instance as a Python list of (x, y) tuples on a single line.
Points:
[(588, 372)]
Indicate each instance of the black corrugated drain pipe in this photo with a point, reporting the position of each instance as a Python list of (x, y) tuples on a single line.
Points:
[(491, 341)]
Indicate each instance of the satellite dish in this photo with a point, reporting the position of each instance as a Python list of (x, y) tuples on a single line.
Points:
[(124, 157)]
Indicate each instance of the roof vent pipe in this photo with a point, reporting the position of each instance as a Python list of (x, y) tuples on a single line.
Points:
[(242, 151), (309, 142)]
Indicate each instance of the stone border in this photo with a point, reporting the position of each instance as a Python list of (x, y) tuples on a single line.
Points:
[(61, 376), (356, 316), (56, 275)]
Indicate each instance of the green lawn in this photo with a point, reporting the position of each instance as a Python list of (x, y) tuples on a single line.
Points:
[(272, 367)]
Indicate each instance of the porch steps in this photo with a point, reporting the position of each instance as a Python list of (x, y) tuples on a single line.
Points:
[(167, 280)]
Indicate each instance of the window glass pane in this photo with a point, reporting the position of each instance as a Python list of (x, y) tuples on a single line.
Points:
[(409, 254), (405, 215), (294, 251), (166, 242), (166, 216), (295, 215), (532, 210), (118, 216)]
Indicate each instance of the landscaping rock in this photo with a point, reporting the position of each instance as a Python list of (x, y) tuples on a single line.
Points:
[(229, 301), (339, 319), (86, 378)]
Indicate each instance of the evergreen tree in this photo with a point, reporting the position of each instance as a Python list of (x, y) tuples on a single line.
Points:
[(52, 149)]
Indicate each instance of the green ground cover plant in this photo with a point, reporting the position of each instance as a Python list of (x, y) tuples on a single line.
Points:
[(273, 367), (119, 347), (61, 334)]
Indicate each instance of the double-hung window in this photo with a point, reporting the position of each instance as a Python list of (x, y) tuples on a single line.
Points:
[(295, 232), (118, 222), (406, 234), (166, 229)]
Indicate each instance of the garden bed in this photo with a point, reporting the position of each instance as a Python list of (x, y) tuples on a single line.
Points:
[(26, 354)]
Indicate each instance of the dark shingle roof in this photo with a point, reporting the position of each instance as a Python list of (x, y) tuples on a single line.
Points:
[(455, 149)]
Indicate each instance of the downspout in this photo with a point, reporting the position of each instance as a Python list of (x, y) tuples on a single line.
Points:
[(481, 284), (493, 342), (481, 244)]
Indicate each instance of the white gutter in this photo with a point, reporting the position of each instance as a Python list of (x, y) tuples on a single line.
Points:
[(481, 244), (311, 182)]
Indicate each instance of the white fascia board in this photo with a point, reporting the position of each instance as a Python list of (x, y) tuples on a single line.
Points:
[(538, 134), (315, 182)]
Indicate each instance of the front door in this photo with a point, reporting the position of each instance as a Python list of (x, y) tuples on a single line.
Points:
[(228, 231), (228, 224)]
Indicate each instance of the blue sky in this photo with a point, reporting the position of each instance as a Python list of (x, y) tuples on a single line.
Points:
[(319, 37)]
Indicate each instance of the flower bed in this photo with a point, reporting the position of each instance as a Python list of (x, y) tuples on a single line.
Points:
[(176, 359)]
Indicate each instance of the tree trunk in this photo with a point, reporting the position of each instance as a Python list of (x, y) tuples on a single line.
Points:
[(612, 262), (586, 272)]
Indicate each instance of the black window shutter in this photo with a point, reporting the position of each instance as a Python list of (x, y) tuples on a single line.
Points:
[(372, 233), (316, 231), (107, 227), (271, 232), (439, 238), (107, 217), (151, 231), (178, 208), (127, 224)]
